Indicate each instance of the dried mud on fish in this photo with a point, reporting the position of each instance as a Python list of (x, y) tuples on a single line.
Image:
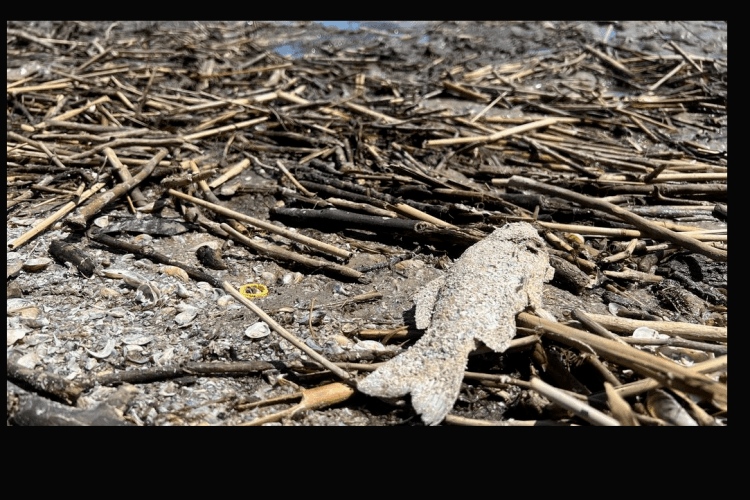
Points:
[(203, 231)]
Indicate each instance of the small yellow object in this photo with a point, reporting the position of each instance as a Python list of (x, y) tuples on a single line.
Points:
[(263, 291)]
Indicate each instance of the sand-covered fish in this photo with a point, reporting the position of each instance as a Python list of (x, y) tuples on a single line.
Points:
[(476, 301)]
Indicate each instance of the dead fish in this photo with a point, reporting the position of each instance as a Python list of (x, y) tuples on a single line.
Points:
[(476, 301)]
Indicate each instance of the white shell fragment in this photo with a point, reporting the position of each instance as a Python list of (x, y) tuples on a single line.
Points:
[(662, 405), (369, 345), (148, 294), (101, 221), (645, 332), (476, 301), (25, 312), (133, 279), (137, 339), (225, 300), (16, 334), (183, 292), (258, 330), (106, 351), (14, 267), (29, 360), (683, 355), (34, 265), (186, 317)]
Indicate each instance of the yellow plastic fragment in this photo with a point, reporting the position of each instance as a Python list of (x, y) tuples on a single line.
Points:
[(262, 290)]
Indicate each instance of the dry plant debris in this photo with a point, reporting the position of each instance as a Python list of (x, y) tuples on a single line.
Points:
[(153, 169)]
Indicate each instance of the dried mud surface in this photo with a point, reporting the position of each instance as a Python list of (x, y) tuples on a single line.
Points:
[(90, 327)]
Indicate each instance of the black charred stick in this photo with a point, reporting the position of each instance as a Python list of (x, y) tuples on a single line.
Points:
[(325, 191), (211, 258), (67, 252), (333, 219), (149, 253), (342, 218)]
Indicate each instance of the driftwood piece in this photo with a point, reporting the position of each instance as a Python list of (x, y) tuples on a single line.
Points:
[(30, 409), (318, 245), (148, 252), (342, 374), (688, 331), (282, 254), (625, 215), (666, 372), (59, 214), (152, 374), (79, 219), (67, 252)]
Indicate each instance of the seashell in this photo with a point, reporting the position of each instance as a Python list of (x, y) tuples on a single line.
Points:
[(186, 317), (27, 312), (211, 244), (183, 292), (109, 293), (165, 357), (574, 239), (137, 339), (348, 328), (342, 341), (229, 190), (101, 221), (258, 330), (147, 209), (16, 334), (143, 239), (37, 322), (409, 265), (143, 264), (683, 355), (176, 272), (645, 332), (662, 405), (225, 300), (134, 353), (313, 345), (204, 288), (369, 345), (15, 307), (33, 265), (317, 318), (106, 351), (614, 308), (29, 360), (117, 312), (133, 279), (148, 294), (168, 390), (267, 277), (14, 267)]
